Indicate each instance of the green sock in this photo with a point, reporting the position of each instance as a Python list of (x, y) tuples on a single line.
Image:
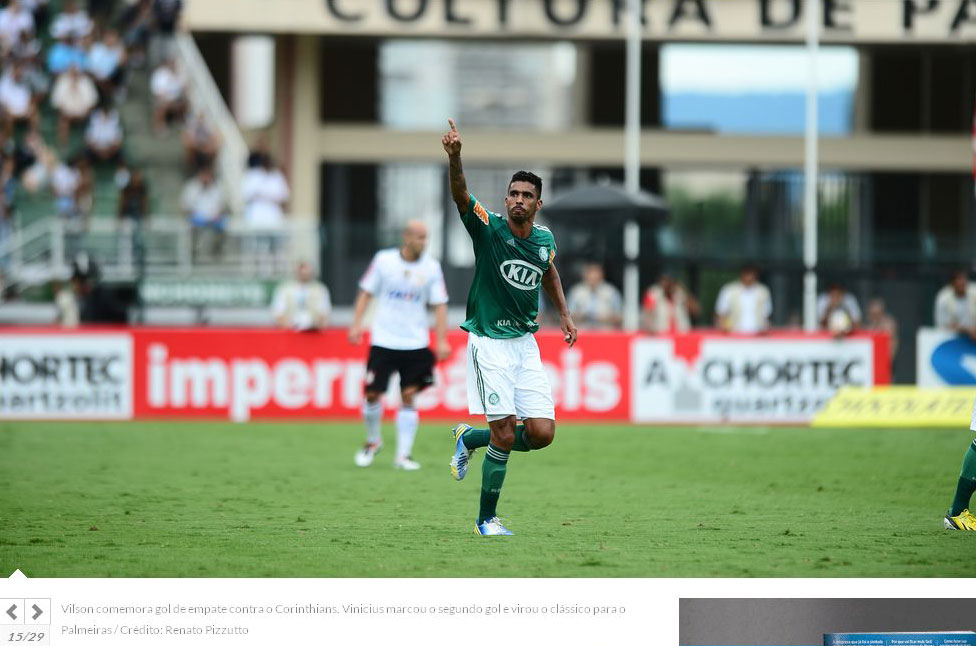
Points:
[(521, 439), (475, 438), (492, 478), (967, 482)]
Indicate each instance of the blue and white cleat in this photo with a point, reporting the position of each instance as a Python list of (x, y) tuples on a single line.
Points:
[(462, 454), (492, 527)]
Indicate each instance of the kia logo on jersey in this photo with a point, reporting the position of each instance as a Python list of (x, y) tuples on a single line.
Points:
[(520, 274), (955, 361)]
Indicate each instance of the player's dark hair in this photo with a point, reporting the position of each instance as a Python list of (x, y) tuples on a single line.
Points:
[(531, 178)]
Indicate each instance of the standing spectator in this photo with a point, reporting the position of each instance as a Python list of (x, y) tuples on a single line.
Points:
[(266, 195), (103, 138), (303, 304), (15, 20), (594, 303), (16, 100), (205, 205), (66, 304), (74, 95), (8, 186), (72, 23), (838, 311), (668, 307), (879, 320), (68, 184), (955, 305), (166, 14), (133, 211), (169, 95), (106, 63), (745, 305)]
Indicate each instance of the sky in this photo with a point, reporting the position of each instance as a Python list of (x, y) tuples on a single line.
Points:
[(735, 69)]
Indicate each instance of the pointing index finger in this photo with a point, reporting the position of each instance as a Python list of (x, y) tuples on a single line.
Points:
[(453, 125)]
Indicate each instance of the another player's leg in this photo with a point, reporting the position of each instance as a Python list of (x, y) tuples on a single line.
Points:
[(372, 419), (959, 516), (407, 421), (493, 470), (378, 370)]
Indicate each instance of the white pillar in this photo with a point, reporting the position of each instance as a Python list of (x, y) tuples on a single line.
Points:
[(810, 322), (632, 154)]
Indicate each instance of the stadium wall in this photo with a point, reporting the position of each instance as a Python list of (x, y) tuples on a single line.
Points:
[(695, 378)]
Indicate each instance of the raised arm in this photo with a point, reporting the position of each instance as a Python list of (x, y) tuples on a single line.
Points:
[(554, 288), (459, 187)]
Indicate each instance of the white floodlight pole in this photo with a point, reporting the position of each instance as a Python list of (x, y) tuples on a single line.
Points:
[(810, 322), (632, 153)]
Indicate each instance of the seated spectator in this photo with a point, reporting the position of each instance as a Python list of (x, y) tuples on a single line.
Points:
[(594, 303), (838, 311), (37, 161), (15, 20), (266, 194), (72, 22), (106, 63), (68, 186), (169, 95), (16, 100), (955, 305), (133, 211), (26, 50), (200, 143), (878, 320), (62, 55), (303, 304), (74, 96), (103, 137), (205, 205), (668, 307), (745, 305)]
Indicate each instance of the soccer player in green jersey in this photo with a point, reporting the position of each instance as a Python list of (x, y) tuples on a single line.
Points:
[(514, 257)]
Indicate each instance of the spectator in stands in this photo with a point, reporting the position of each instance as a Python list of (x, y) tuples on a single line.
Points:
[(103, 137), (72, 23), (302, 304), (838, 311), (745, 305), (133, 211), (8, 187), (15, 20), (106, 63), (16, 100), (205, 204), (63, 54), (879, 320), (38, 162), (594, 303), (69, 184), (39, 10), (169, 95), (74, 96), (259, 153), (955, 305), (66, 304), (266, 195), (668, 307), (97, 303), (166, 15), (135, 23), (200, 143), (26, 50)]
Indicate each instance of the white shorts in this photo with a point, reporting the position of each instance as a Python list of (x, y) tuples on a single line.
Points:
[(506, 377)]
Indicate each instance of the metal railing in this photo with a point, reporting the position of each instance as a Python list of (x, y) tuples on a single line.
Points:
[(205, 99), (164, 247)]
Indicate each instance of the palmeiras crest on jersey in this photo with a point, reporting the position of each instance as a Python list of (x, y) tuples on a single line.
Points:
[(543, 253)]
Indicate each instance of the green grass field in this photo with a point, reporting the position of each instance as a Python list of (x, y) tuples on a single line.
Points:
[(217, 500)]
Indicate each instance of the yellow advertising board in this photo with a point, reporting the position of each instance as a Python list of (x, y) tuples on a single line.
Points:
[(904, 406)]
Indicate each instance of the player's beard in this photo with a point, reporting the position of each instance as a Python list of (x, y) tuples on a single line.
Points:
[(520, 218)]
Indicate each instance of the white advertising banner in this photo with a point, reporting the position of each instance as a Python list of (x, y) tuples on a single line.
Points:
[(84, 376), (754, 380), (944, 358)]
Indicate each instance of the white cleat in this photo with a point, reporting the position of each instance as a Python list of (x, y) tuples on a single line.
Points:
[(364, 456), (406, 463), (492, 527)]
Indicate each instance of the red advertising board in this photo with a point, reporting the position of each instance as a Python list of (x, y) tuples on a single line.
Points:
[(701, 377)]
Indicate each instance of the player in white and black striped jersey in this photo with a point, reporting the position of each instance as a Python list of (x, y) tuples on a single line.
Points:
[(404, 282)]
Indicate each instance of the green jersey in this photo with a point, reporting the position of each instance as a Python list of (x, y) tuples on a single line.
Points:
[(504, 298)]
